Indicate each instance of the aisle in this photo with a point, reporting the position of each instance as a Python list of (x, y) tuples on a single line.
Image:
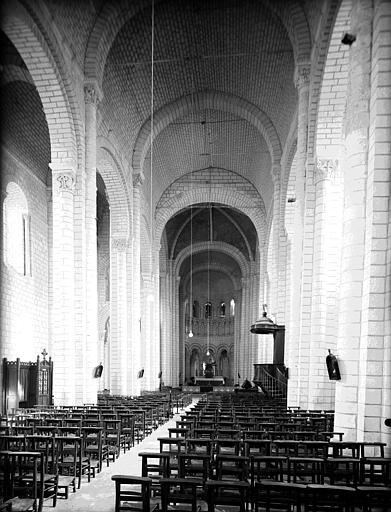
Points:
[(99, 494)]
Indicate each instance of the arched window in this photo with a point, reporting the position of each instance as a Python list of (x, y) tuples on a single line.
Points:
[(16, 230), (208, 309), (232, 307), (222, 308)]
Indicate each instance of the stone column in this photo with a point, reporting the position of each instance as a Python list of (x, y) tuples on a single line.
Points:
[(253, 339), (244, 347), (354, 221), (375, 405), (119, 364), (275, 242), (298, 373), (136, 328), (63, 311), (178, 348), (237, 335), (326, 256), (151, 328), (156, 323), (166, 315), (91, 101)]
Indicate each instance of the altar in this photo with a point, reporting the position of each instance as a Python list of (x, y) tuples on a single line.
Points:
[(209, 381)]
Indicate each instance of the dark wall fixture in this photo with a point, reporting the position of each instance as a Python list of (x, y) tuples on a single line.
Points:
[(332, 367), (348, 39)]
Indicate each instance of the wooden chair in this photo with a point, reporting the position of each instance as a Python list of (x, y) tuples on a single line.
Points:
[(234, 494), (94, 447), (267, 467), (287, 448), (155, 466), (324, 498), (68, 453), (232, 467), (13, 443), (227, 433), (23, 480), (347, 449), (113, 438), (178, 432), (173, 446), (306, 470), (48, 474), (199, 445), (272, 495), (342, 471), (196, 467), (256, 447), (375, 471), (178, 490), (313, 449), (374, 498), (225, 446), (132, 493), (127, 430)]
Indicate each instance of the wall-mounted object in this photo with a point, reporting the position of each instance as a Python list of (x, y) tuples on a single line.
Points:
[(332, 367)]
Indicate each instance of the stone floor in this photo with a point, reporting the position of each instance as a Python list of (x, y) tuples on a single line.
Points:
[(99, 494)]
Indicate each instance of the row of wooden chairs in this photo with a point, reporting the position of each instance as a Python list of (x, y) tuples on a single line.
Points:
[(56, 447), (265, 495)]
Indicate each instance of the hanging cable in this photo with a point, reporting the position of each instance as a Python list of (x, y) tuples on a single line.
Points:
[(191, 334), (152, 122)]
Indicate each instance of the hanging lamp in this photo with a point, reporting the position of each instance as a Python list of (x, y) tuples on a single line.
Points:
[(191, 334), (264, 325), (209, 242)]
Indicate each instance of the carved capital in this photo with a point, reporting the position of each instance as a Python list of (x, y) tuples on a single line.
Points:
[(302, 75), (276, 173), (138, 179), (91, 94), (326, 169), (119, 244), (64, 182)]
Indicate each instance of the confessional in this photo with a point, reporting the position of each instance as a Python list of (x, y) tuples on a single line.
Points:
[(26, 384)]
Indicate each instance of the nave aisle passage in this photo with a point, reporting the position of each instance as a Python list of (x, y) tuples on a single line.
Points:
[(99, 494)]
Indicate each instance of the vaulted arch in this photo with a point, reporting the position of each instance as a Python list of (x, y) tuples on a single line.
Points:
[(116, 185), (216, 100), (50, 78), (115, 14), (227, 188)]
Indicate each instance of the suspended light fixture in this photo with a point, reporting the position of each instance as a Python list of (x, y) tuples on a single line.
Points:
[(191, 334), (265, 325), (191, 274), (209, 306)]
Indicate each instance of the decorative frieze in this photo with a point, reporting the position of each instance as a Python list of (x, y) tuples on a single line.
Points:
[(326, 169)]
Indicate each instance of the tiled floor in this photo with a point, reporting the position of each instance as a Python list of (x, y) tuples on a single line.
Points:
[(99, 494)]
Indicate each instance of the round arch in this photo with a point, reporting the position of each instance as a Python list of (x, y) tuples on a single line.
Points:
[(115, 14), (50, 77), (231, 190), (222, 247), (215, 100), (117, 190)]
